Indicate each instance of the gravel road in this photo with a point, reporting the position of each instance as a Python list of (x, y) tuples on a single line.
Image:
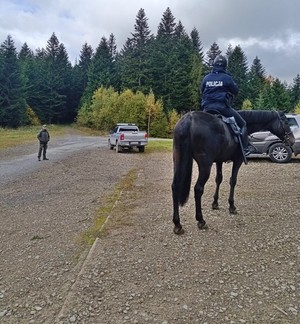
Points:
[(244, 269)]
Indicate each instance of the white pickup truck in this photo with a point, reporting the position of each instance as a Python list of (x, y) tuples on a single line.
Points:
[(127, 136)]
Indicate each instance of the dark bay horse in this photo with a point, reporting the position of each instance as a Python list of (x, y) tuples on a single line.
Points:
[(205, 138)]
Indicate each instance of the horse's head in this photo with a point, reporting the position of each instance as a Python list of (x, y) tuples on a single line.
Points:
[(287, 135)]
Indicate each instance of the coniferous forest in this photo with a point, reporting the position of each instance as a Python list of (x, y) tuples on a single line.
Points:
[(152, 80)]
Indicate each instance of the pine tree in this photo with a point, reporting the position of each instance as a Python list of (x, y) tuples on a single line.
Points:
[(163, 59), (238, 67), (68, 112), (101, 70), (127, 65), (25, 52), (134, 57), (184, 73), (166, 27), (280, 97), (229, 51), (274, 96), (263, 102), (12, 101), (141, 34), (295, 91), (26, 62), (36, 84), (256, 79), (50, 90), (115, 71), (179, 31), (197, 43), (211, 54), (198, 69), (57, 68), (80, 74)]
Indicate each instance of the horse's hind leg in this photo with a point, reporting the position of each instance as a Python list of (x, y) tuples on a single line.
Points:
[(233, 180), (198, 191), (219, 179), (176, 220)]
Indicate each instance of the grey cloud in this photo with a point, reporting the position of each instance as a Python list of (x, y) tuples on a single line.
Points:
[(267, 29)]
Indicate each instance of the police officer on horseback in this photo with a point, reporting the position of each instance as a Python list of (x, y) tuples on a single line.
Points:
[(218, 88)]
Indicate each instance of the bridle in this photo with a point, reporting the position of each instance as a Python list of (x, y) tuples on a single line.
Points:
[(287, 134)]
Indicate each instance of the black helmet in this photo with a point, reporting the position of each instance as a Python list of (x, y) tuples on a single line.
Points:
[(220, 61)]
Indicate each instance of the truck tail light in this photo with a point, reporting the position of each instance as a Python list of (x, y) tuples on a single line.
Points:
[(122, 137), (146, 136)]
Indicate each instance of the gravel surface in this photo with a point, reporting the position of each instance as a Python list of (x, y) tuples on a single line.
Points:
[(244, 269)]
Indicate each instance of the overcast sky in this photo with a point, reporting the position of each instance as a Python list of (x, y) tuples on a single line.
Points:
[(268, 29)]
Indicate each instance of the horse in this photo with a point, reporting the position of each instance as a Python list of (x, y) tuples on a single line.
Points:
[(207, 139)]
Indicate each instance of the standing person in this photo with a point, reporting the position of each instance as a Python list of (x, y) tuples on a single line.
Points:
[(44, 137), (217, 89)]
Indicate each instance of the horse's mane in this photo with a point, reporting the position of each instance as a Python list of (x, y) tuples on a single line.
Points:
[(257, 116)]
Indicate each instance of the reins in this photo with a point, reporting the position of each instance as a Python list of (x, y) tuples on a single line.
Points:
[(282, 119)]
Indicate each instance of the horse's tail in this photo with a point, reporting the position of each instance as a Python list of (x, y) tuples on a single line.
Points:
[(183, 161)]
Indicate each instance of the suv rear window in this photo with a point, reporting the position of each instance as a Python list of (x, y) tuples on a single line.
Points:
[(292, 122)]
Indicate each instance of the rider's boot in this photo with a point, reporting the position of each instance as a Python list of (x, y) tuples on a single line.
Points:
[(245, 141)]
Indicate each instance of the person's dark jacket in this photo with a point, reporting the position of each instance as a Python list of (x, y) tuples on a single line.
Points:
[(217, 87), (43, 136)]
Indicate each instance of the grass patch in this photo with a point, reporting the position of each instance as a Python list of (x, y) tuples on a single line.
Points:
[(160, 145), (27, 134), (102, 213), (89, 131), (37, 237), (15, 137)]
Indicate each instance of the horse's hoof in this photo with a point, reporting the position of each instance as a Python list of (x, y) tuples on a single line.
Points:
[(178, 230), (202, 226), (233, 211), (215, 206)]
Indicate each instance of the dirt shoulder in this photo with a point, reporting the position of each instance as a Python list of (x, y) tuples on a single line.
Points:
[(243, 269), (43, 215)]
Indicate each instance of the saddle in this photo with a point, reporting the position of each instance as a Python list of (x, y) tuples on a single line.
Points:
[(231, 123), (234, 128)]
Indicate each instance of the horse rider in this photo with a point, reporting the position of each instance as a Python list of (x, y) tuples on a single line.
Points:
[(218, 88)]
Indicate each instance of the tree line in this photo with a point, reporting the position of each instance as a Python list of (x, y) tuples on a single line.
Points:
[(166, 68)]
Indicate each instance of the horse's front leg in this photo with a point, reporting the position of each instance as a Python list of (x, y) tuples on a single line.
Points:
[(218, 180), (233, 180), (198, 191)]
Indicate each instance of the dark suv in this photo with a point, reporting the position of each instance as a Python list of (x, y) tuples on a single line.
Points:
[(265, 143)]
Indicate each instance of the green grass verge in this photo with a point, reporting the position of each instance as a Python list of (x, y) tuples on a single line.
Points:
[(27, 134), (15, 137), (126, 183), (159, 145)]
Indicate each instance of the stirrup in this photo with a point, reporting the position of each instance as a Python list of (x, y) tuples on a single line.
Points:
[(247, 152)]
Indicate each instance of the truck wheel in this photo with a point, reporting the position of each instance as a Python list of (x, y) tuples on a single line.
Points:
[(110, 146), (141, 149)]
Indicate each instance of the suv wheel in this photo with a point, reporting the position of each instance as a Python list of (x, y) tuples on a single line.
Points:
[(280, 153)]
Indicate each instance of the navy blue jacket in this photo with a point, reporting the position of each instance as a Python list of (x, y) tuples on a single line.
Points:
[(216, 89)]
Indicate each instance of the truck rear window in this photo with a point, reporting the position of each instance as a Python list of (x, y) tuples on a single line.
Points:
[(128, 130)]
